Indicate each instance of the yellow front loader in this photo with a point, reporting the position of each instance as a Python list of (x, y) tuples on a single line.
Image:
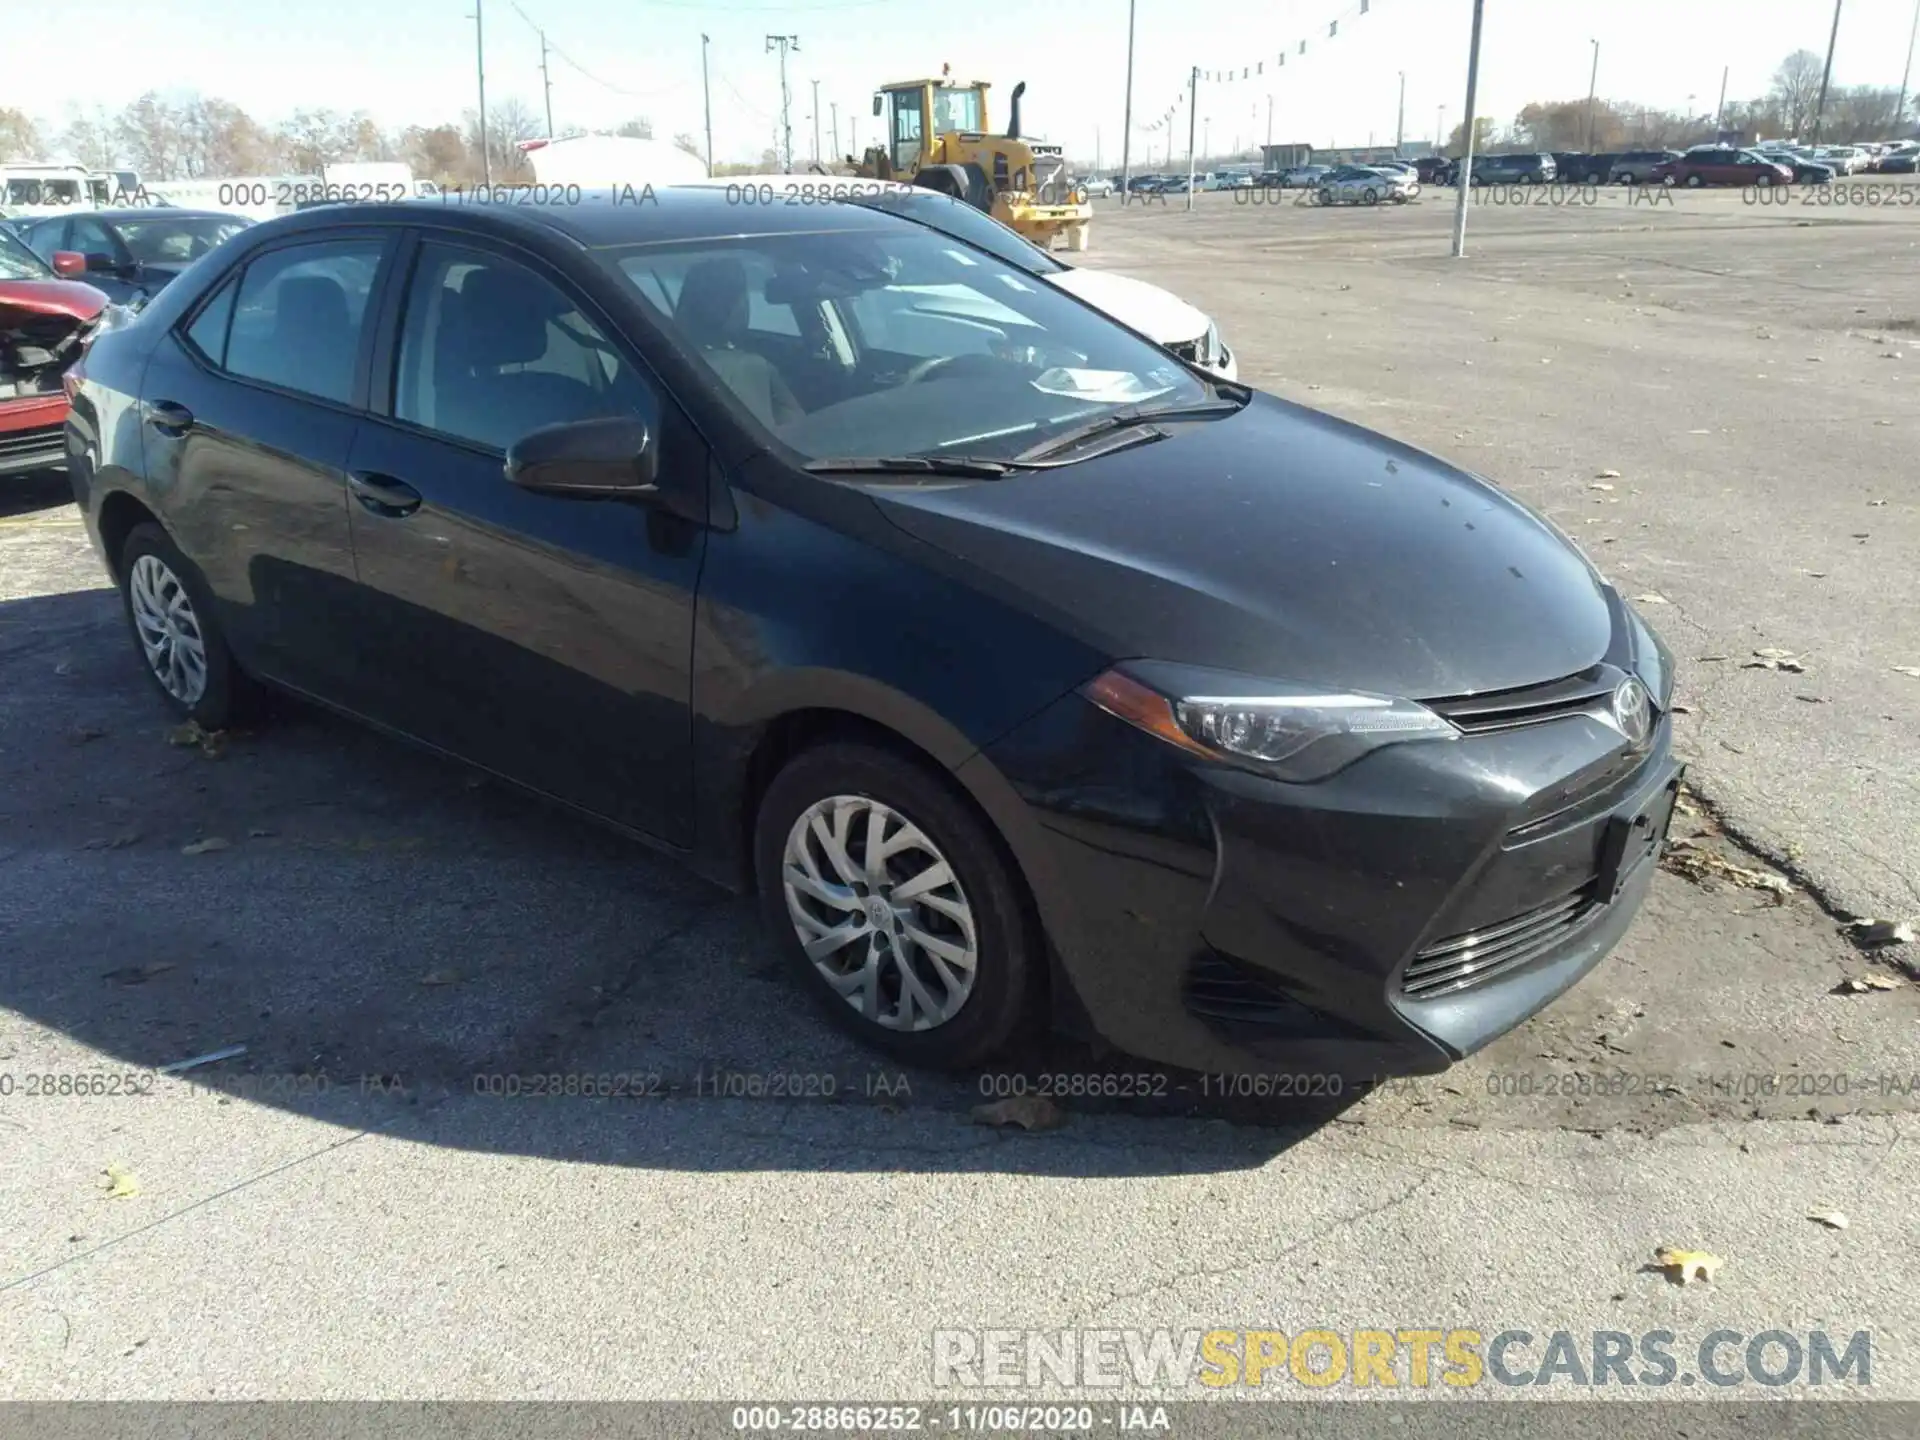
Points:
[(937, 137)]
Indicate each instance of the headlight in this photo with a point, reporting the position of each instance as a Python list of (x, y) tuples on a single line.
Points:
[(1295, 733), (1206, 350), (1650, 658)]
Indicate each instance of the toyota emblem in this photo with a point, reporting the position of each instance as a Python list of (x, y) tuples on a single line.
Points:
[(1633, 711)]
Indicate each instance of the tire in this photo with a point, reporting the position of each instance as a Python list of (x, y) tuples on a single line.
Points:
[(1526, 178), (1370, 196), (170, 616), (1001, 999), (1324, 197), (1693, 182), (1761, 182)]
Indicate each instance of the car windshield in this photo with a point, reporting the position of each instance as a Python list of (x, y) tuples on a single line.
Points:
[(17, 262), (175, 240), (875, 343), (963, 222)]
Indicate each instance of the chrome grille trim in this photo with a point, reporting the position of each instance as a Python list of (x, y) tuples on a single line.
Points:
[(1461, 961)]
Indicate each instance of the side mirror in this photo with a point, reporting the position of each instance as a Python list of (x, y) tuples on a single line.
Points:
[(69, 262), (101, 263), (878, 104), (612, 459)]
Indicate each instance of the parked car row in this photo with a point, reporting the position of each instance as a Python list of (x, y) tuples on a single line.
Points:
[(1768, 163), (1023, 672)]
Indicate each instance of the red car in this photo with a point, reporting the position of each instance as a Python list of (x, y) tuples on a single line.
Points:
[(1722, 167), (45, 323)]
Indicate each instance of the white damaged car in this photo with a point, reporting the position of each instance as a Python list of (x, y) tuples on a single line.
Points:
[(1158, 314)]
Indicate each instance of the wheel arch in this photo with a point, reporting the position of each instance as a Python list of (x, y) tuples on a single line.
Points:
[(120, 512)]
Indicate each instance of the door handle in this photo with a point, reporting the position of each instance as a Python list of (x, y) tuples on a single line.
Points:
[(169, 417), (383, 495)]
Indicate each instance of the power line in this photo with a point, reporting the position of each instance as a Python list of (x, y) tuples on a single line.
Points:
[(587, 74)]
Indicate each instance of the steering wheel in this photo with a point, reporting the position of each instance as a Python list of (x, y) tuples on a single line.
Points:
[(941, 366)]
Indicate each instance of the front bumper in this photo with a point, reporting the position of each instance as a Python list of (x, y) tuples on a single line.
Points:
[(1389, 920), (33, 435)]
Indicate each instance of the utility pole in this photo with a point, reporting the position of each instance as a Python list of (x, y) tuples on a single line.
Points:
[(1400, 123), (706, 100), (1126, 127), (1193, 118), (1269, 120), (1440, 128), (1466, 160), (1206, 136), (1720, 110), (480, 70), (834, 106), (784, 43), (1096, 149), (1820, 105), (1900, 110), (1593, 81), (546, 83), (816, 122)]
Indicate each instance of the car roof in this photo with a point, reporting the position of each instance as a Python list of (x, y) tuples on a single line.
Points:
[(145, 212), (629, 215)]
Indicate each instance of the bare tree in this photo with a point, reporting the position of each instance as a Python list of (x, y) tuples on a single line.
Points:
[(311, 140), (1863, 112), (638, 128), (1796, 89), (438, 154), (87, 136), (686, 142), (19, 136), (148, 135)]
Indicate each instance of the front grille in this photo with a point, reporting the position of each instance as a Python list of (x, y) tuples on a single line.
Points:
[(1530, 704), (41, 440), (1461, 961)]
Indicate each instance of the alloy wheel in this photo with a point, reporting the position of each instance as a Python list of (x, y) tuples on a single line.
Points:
[(169, 631), (880, 913)]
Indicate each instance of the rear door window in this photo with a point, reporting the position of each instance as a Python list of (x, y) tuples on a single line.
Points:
[(299, 315)]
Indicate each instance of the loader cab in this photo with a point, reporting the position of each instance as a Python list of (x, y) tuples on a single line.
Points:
[(916, 111)]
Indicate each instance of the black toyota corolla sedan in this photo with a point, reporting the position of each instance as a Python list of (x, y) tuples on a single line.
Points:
[(1026, 673)]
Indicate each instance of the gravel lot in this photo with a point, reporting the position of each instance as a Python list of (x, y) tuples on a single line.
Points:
[(1749, 372)]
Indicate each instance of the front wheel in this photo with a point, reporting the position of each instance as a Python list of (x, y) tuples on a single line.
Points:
[(170, 613), (1370, 196), (892, 899), (1323, 197), (1762, 181), (1694, 182)]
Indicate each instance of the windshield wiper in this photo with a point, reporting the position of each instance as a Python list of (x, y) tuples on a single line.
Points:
[(975, 466), (1125, 418)]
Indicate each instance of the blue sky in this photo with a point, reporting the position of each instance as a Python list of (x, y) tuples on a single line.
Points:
[(413, 60)]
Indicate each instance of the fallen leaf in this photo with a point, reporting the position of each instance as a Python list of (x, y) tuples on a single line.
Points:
[(1608, 475), (1882, 932), (1699, 432), (208, 846), (1773, 658), (1875, 504), (1686, 858), (1681, 709), (1597, 485), (63, 669), (1651, 599), (1689, 1263), (139, 974), (125, 838), (122, 1184), (1861, 984), (211, 743), (441, 977), (1029, 1112), (81, 734), (258, 834), (1832, 1219), (1913, 670), (1812, 699)]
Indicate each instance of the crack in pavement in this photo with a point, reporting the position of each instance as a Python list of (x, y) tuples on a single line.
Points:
[(1209, 1272)]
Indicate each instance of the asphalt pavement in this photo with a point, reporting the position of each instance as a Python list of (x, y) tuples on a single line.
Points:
[(368, 1203)]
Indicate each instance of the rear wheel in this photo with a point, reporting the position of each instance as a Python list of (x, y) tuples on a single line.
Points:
[(891, 898), (1693, 182), (1370, 196), (170, 613)]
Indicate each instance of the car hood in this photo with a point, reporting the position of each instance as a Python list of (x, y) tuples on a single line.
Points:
[(1286, 543), (1160, 315), (25, 299)]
